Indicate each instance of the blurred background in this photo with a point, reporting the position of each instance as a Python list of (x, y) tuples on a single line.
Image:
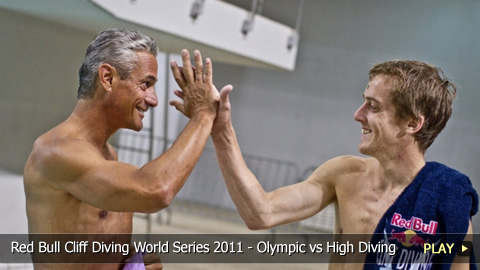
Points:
[(299, 69)]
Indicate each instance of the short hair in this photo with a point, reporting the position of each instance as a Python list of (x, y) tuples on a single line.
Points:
[(116, 47), (419, 89)]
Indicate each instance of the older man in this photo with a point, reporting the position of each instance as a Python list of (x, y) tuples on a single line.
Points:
[(73, 181)]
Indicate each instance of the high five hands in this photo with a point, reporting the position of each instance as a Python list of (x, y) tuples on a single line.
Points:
[(198, 94)]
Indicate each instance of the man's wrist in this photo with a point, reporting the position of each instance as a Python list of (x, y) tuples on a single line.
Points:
[(222, 131), (204, 116)]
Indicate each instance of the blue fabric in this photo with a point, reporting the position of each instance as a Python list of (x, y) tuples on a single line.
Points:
[(435, 208)]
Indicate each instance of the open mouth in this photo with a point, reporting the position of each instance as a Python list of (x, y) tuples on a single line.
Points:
[(141, 111), (366, 131)]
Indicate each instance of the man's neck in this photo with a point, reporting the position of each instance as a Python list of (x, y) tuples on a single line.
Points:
[(401, 169), (92, 123)]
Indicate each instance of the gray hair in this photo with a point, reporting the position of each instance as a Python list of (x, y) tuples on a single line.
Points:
[(116, 47)]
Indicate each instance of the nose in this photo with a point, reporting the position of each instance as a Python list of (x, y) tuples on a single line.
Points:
[(151, 98), (359, 115)]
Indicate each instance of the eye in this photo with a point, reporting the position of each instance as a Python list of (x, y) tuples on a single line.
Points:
[(372, 106)]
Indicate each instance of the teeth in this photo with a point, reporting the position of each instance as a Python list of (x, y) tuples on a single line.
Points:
[(364, 131)]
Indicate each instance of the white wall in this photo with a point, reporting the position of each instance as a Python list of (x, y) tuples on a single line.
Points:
[(39, 64)]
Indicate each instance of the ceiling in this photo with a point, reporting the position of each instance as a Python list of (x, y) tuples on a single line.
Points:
[(86, 16)]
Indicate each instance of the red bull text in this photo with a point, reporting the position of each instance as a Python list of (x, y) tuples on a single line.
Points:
[(415, 223)]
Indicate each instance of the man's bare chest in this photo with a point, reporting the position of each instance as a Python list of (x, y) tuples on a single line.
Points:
[(359, 210), (76, 216)]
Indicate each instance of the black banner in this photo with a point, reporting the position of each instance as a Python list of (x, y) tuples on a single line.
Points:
[(209, 248)]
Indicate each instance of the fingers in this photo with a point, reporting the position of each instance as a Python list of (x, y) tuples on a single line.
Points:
[(188, 73), (198, 72), (224, 92), (223, 117), (157, 266), (178, 74), (224, 103), (178, 93), (187, 66), (208, 71), (178, 105), (198, 94)]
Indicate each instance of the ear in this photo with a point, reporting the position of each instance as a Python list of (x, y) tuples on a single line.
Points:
[(105, 75), (415, 124)]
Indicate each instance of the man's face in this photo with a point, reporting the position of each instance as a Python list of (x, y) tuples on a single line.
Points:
[(382, 133), (136, 94)]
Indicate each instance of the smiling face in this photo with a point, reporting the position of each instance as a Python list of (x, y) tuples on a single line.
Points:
[(134, 95), (382, 132)]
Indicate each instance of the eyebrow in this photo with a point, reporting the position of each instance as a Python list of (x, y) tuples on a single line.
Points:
[(151, 78), (370, 98)]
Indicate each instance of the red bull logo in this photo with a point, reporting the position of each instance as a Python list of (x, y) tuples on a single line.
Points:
[(399, 236), (415, 223), (408, 238), (417, 240)]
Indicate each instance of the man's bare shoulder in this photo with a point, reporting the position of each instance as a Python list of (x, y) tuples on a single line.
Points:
[(48, 147), (341, 169), (56, 153), (346, 164)]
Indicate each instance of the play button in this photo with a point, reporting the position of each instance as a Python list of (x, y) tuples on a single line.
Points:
[(465, 248)]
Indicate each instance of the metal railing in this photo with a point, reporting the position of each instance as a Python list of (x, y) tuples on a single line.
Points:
[(205, 188)]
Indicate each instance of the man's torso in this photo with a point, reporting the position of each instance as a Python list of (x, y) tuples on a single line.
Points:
[(53, 210), (362, 198)]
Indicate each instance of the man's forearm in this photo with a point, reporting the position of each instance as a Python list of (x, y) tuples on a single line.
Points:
[(244, 188), (170, 170)]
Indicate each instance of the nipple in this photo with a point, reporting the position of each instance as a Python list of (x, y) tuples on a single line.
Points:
[(103, 213)]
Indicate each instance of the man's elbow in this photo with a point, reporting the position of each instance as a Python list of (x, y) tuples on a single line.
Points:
[(160, 199), (165, 198), (257, 223), (255, 226)]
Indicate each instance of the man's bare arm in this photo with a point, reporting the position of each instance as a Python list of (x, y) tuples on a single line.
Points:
[(80, 169), (258, 208)]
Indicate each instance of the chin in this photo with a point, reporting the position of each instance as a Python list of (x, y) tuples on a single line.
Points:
[(363, 149), (136, 127)]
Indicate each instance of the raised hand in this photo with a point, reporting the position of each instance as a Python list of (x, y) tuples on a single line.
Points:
[(198, 94), (223, 118)]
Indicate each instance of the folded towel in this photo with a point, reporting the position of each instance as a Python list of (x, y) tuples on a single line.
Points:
[(435, 208)]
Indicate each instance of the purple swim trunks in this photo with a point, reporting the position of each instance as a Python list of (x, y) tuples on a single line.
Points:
[(135, 263)]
